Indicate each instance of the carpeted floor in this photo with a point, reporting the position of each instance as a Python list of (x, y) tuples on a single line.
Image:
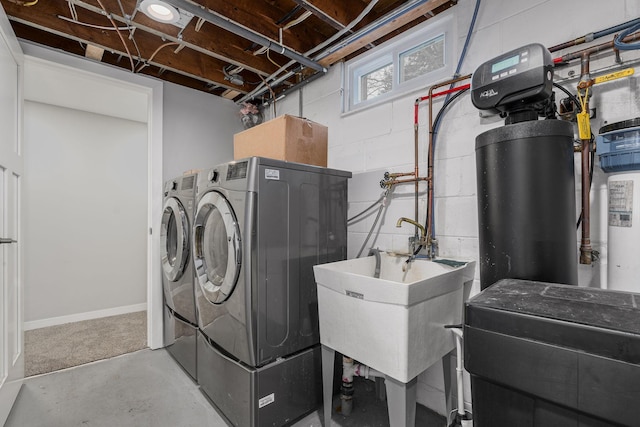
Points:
[(72, 344)]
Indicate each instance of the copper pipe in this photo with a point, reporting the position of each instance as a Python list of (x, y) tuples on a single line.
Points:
[(592, 36), (565, 45), (399, 174), (597, 48), (431, 152), (584, 66), (586, 251), (416, 172), (404, 181)]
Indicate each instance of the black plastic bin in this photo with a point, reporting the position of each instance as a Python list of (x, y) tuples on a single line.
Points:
[(545, 355)]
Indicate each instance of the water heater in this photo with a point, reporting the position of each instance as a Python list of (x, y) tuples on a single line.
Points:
[(618, 146)]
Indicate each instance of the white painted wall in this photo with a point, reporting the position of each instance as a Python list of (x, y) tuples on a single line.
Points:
[(86, 206), (380, 138), (89, 161), (198, 130)]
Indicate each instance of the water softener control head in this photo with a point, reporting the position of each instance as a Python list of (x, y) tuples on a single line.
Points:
[(514, 80)]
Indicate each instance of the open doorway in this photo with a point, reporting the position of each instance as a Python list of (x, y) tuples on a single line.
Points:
[(86, 206), (89, 203)]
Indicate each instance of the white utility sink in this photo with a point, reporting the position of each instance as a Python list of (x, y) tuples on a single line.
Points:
[(395, 323)]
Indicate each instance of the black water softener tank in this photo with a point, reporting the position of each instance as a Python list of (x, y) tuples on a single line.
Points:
[(525, 173)]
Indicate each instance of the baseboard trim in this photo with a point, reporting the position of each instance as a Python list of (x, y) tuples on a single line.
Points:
[(52, 321), (431, 397)]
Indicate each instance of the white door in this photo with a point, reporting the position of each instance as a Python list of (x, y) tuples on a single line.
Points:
[(11, 176)]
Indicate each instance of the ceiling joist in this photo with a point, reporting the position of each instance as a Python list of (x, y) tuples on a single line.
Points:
[(230, 62), (381, 28)]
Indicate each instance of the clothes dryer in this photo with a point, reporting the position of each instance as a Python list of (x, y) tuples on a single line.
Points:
[(180, 322), (260, 226)]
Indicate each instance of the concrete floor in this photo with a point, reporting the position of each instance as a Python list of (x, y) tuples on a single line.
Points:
[(148, 388)]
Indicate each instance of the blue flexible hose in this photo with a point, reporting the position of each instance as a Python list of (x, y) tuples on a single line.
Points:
[(466, 42), (619, 44), (615, 29), (437, 124)]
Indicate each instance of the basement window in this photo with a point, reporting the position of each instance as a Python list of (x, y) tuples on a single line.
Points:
[(374, 80), (416, 60)]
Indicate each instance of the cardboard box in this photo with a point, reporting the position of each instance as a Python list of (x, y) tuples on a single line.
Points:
[(284, 138)]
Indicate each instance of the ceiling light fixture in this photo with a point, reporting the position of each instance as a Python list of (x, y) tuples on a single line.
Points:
[(160, 11)]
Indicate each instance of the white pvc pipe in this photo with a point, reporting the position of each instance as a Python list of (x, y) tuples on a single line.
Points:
[(350, 370), (459, 370), (367, 372)]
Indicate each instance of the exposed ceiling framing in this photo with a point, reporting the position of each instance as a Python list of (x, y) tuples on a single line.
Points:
[(240, 50)]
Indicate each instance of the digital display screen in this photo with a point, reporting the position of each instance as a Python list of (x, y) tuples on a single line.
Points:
[(237, 171), (505, 63)]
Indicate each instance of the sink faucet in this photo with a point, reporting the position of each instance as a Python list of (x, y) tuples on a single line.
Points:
[(422, 241), (376, 253), (423, 232)]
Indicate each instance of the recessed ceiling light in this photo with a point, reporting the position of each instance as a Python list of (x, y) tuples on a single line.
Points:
[(160, 11)]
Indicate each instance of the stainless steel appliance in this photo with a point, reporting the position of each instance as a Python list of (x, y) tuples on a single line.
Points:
[(180, 323), (260, 226)]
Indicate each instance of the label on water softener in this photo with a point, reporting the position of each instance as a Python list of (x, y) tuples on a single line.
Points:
[(270, 398)]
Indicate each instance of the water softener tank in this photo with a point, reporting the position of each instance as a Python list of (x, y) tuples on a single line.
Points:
[(526, 203), (525, 173)]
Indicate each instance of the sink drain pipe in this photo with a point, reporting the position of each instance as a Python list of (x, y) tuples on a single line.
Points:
[(350, 370), (462, 418)]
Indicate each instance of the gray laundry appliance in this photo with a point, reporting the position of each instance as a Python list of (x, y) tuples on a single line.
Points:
[(180, 322), (260, 227)]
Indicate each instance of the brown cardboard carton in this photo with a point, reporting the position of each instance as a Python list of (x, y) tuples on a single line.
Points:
[(284, 138)]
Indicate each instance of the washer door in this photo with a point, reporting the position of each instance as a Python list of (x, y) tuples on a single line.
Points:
[(174, 239), (216, 247)]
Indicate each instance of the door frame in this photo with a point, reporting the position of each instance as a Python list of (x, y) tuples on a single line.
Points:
[(14, 353), (154, 91)]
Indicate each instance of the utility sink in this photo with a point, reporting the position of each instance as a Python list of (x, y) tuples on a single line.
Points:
[(394, 323)]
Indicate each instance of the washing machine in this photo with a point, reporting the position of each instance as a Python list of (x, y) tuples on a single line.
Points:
[(259, 228), (180, 321)]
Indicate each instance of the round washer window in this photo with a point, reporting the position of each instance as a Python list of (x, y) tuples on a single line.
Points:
[(217, 250), (174, 239)]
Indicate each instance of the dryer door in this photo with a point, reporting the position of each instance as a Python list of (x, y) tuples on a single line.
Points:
[(216, 243), (174, 239)]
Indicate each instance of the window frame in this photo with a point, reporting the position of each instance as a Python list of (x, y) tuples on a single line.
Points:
[(369, 68), (390, 52)]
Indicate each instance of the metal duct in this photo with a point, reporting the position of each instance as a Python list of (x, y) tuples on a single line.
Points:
[(230, 26)]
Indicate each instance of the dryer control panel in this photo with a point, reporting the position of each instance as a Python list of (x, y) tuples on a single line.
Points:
[(237, 170)]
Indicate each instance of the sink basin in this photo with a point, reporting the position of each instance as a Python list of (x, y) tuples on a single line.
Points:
[(393, 323)]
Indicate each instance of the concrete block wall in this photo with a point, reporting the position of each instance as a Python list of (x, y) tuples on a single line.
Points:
[(380, 138)]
